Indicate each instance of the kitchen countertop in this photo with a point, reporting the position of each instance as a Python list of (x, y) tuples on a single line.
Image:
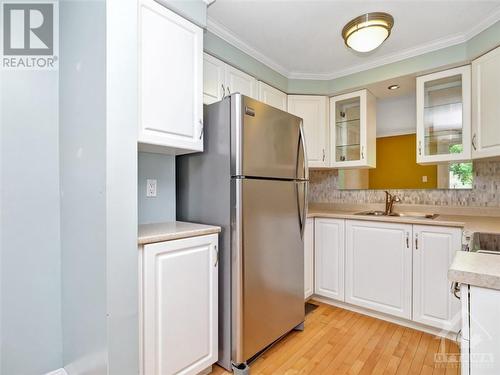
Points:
[(172, 230), (482, 270), (470, 223)]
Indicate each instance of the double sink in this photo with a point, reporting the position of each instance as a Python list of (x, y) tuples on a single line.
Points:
[(413, 215)]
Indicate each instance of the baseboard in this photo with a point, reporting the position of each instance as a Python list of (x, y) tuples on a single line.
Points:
[(60, 371), (389, 318)]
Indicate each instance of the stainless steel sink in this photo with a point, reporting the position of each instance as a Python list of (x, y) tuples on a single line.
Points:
[(414, 215), (417, 215), (487, 243)]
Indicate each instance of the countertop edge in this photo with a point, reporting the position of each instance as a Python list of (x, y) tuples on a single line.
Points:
[(169, 235), (387, 219), (480, 270)]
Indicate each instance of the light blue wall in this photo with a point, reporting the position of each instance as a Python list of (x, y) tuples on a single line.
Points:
[(237, 58), (82, 124), (30, 239), (162, 207), (193, 10), (121, 187)]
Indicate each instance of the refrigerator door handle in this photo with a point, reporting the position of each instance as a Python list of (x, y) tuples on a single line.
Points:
[(305, 177), (304, 209), (302, 147)]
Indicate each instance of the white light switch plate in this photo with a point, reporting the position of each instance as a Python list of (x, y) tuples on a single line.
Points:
[(151, 188)]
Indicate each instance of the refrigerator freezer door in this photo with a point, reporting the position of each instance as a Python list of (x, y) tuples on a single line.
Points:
[(266, 140), (269, 298)]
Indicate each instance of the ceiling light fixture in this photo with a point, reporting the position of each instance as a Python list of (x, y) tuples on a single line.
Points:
[(393, 87), (367, 32)]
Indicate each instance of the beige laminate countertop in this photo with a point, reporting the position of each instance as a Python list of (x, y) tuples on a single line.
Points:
[(482, 270), (172, 230), (470, 223)]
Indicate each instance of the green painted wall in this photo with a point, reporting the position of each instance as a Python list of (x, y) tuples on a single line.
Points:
[(193, 10), (239, 59), (460, 53)]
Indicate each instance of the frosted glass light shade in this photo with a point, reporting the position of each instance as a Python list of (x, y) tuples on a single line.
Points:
[(367, 32)]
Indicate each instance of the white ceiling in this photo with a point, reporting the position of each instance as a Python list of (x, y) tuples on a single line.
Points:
[(301, 39)]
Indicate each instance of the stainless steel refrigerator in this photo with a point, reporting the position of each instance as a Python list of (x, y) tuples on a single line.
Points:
[(252, 180)]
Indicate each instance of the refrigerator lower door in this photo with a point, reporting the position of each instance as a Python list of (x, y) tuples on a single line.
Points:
[(269, 274)]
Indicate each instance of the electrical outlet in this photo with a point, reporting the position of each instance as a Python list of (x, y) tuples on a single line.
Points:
[(424, 178), (151, 188)]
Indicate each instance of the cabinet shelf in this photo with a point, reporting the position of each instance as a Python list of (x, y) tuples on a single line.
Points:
[(349, 145), (347, 122), (442, 105)]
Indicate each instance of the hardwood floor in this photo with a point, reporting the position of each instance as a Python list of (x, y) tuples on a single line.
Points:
[(338, 341)]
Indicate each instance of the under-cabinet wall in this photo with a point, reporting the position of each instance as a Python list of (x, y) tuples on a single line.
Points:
[(161, 168)]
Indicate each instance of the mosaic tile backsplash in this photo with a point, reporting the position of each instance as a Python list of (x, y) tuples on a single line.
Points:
[(323, 189)]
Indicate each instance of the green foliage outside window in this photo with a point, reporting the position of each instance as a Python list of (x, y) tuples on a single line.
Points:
[(463, 171)]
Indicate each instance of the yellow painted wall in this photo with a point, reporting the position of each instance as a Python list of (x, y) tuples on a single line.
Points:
[(397, 166)]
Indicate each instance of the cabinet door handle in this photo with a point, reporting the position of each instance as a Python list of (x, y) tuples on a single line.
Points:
[(362, 152), (223, 91), (228, 90), (323, 154), (420, 148), (202, 127), (216, 256), (474, 142), (455, 289), (407, 240), (416, 241)]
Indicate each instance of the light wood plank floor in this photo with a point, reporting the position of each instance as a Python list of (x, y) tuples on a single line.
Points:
[(338, 341)]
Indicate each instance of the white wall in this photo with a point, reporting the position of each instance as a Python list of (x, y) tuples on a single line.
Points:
[(30, 310), (396, 116)]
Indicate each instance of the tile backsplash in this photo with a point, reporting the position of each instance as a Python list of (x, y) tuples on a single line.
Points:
[(485, 193)]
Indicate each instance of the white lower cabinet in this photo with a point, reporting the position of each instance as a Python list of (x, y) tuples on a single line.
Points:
[(484, 335), (434, 250), (329, 257), (179, 294), (378, 267), (309, 258)]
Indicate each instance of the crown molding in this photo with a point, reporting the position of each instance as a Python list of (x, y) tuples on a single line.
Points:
[(223, 33), (208, 2), (449, 41)]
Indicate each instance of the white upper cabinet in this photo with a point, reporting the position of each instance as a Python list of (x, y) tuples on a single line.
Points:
[(170, 81), (486, 105), (433, 251), (213, 79), (237, 81), (353, 127), (378, 267), (272, 96), (221, 79), (314, 112), (329, 248), (309, 258), (443, 116), (179, 287)]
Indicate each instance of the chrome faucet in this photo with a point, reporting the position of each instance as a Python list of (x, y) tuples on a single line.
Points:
[(390, 199)]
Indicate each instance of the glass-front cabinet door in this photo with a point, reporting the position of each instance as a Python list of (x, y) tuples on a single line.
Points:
[(352, 129), (443, 116)]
